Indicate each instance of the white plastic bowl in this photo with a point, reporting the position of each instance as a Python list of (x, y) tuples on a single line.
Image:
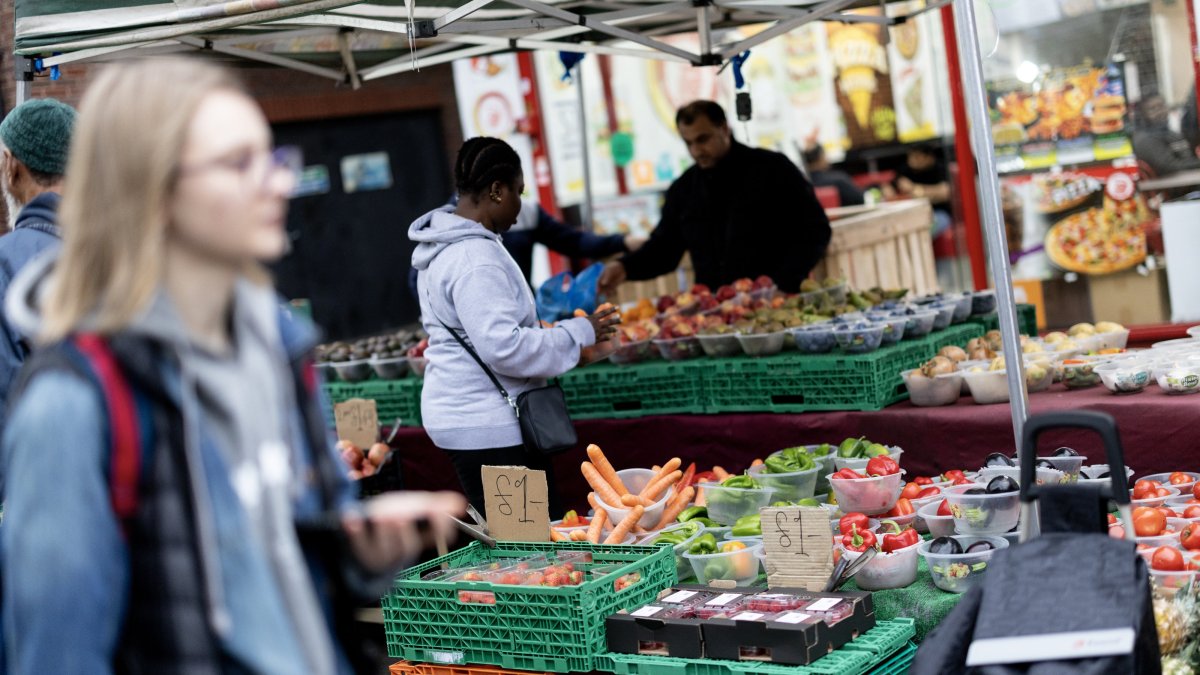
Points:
[(1177, 380), (789, 487), (983, 514), (959, 573), (733, 503), (1152, 501), (722, 345), (635, 480), (990, 386), (1125, 376), (860, 464), (1040, 476), (871, 496), (886, 570), (390, 369), (762, 344), (740, 566), (935, 525), (933, 391), (1184, 488), (353, 371)]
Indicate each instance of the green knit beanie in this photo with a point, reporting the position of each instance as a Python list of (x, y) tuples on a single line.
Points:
[(38, 134)]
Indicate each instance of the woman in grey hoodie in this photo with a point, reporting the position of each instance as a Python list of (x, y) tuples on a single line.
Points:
[(469, 283)]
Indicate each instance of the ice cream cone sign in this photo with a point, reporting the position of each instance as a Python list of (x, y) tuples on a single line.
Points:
[(861, 62)]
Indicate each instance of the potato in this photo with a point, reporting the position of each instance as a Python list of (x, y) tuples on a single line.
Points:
[(1082, 330), (1054, 338), (1109, 327)]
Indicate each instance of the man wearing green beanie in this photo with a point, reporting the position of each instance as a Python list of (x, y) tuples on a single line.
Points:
[(34, 141)]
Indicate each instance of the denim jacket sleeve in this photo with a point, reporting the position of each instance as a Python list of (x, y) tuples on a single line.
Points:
[(65, 561)]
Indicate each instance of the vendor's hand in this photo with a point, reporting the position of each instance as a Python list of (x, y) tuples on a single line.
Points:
[(604, 322), (905, 186), (392, 539), (633, 242), (612, 277)]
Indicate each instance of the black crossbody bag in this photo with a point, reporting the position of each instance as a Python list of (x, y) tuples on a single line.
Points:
[(542, 412)]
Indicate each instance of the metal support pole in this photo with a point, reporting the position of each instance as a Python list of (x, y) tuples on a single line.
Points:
[(991, 209), (585, 209)]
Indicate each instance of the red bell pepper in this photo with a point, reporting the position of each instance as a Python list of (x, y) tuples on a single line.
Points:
[(704, 477), (895, 542), (911, 490), (852, 520), (953, 474), (882, 466), (858, 540), (686, 479), (961, 480), (944, 509), (929, 492), (923, 480), (903, 507), (848, 474)]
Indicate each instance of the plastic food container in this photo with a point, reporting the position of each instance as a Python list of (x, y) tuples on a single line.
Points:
[(933, 391), (789, 487), (353, 371), (963, 304), (835, 526), (983, 513), (635, 480), (816, 339), (886, 570), (959, 573), (1185, 489), (720, 345), (860, 464), (871, 496), (720, 605), (1041, 476), (936, 526), (1096, 473), (909, 520), (989, 386), (632, 352), (1177, 380), (1082, 375), (1123, 377), (764, 344), (893, 329), (683, 569), (390, 368), (417, 365), (1034, 381), (945, 314), (1114, 340), (935, 499), (679, 349), (918, 324), (1173, 582), (1153, 501), (983, 302), (859, 340), (726, 505), (739, 566), (837, 293), (1067, 465), (1170, 537), (748, 541)]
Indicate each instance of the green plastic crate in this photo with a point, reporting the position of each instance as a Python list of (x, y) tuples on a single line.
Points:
[(528, 628), (656, 388), (1026, 320), (886, 638), (855, 658), (393, 399), (899, 663)]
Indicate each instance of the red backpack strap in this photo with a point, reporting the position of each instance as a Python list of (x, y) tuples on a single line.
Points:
[(125, 442)]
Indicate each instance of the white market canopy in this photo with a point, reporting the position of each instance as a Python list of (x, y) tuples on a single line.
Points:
[(362, 41)]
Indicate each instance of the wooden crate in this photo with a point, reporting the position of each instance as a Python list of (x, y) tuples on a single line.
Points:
[(888, 245)]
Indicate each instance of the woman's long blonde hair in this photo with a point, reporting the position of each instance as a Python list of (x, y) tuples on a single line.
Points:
[(125, 151)]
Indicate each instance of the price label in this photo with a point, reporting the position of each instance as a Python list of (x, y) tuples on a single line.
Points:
[(799, 546), (648, 610), (794, 617), (680, 596), (357, 421), (516, 503), (724, 599)]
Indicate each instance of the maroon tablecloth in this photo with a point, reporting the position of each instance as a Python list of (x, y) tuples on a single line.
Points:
[(1159, 432)]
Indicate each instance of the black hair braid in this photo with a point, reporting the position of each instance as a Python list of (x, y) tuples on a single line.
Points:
[(483, 160)]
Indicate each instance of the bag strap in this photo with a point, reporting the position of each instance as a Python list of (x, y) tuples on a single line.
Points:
[(125, 461), (490, 374)]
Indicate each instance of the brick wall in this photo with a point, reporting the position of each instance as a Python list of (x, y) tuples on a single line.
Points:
[(286, 96)]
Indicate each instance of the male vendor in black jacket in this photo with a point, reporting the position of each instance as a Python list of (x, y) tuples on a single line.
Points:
[(740, 211)]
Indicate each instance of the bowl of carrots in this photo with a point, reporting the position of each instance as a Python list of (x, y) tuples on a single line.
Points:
[(635, 498)]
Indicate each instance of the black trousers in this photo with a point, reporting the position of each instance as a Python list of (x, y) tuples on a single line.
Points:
[(468, 464)]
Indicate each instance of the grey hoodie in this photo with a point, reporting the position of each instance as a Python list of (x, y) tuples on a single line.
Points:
[(467, 280)]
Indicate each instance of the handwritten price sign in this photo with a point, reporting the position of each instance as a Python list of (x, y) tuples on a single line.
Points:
[(799, 546), (516, 503), (357, 421)]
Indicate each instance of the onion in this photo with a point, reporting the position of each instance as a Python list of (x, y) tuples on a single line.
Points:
[(993, 339), (976, 344), (938, 365), (953, 353), (981, 354)]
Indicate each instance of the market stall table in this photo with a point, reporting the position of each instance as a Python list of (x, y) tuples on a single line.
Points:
[(1155, 429)]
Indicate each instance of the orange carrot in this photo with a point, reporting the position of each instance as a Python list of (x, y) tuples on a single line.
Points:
[(757, 462), (624, 527), (720, 473), (656, 468), (666, 469), (677, 505), (599, 517), (578, 535), (700, 499), (606, 469), (555, 535), (655, 489), (604, 491)]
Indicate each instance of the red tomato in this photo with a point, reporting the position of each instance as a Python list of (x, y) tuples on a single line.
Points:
[(1190, 537), (944, 509), (1149, 523), (1162, 492), (1179, 478), (1167, 559), (1196, 490), (953, 474), (961, 480), (911, 490), (929, 492), (923, 480), (1168, 512), (1145, 488), (1192, 512)]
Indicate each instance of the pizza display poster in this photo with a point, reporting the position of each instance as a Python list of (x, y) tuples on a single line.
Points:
[(1067, 117), (863, 83)]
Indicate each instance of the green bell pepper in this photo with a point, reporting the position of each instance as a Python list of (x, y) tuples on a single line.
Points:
[(789, 460), (705, 543), (821, 450), (691, 513), (748, 526), (852, 448), (706, 522), (876, 450), (743, 482)]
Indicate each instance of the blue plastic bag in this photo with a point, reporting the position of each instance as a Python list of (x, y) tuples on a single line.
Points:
[(563, 293)]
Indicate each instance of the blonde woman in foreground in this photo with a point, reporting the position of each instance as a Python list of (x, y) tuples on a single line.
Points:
[(173, 504)]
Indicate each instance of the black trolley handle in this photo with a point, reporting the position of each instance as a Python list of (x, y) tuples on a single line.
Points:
[(1101, 423)]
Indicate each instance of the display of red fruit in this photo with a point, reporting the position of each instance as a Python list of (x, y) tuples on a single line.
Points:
[(1196, 490), (1179, 478), (764, 281), (1167, 559), (1191, 512), (664, 303), (725, 292), (743, 285), (701, 289)]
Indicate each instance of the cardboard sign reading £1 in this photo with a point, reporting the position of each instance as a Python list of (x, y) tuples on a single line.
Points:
[(799, 547), (357, 421), (516, 503)]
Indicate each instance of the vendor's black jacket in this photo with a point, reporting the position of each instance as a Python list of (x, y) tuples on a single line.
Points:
[(753, 213)]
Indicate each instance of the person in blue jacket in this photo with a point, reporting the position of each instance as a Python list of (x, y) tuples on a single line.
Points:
[(34, 141), (245, 550)]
